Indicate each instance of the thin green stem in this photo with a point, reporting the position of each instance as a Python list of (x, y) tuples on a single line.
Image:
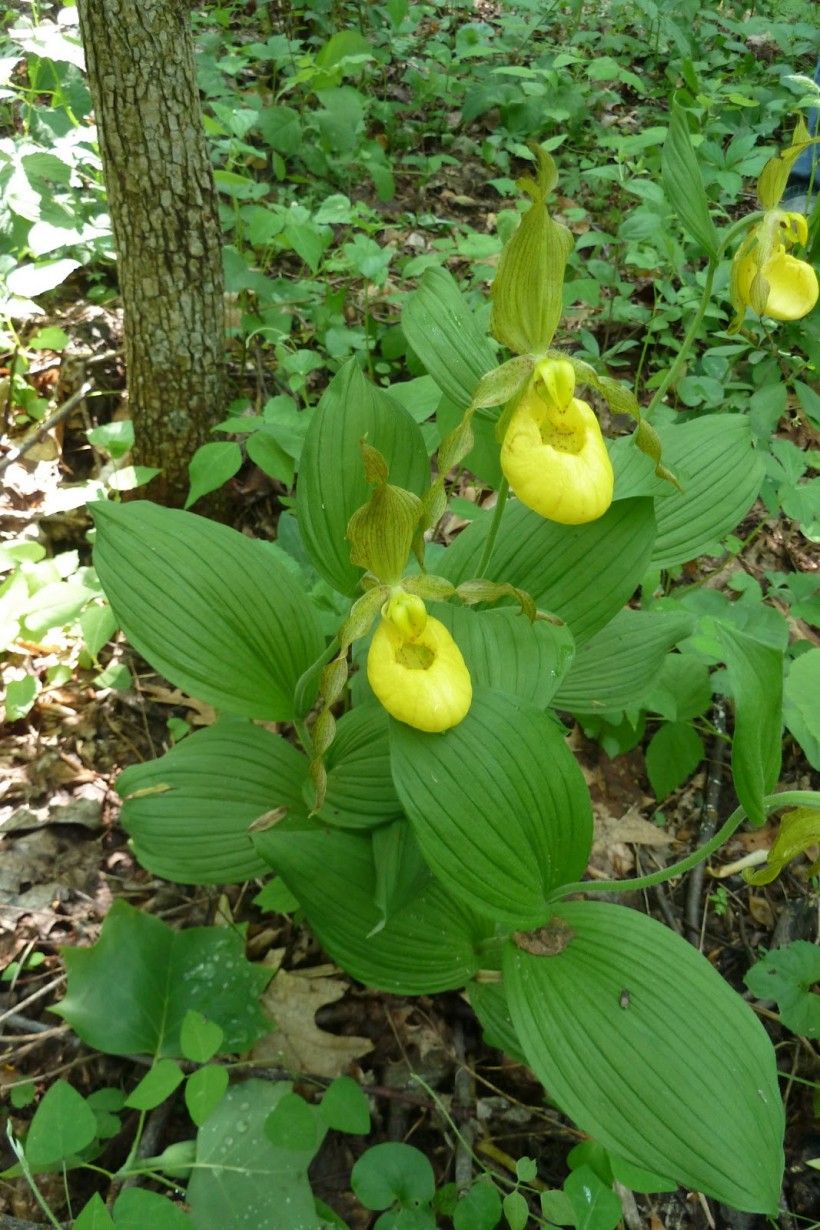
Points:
[(299, 697), (29, 1177), (691, 333), (498, 511), (774, 802), (697, 320)]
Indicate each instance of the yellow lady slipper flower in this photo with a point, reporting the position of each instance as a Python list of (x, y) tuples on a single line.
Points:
[(553, 454), (766, 277), (415, 668)]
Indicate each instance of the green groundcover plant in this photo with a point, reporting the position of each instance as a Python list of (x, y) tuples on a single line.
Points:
[(428, 816)]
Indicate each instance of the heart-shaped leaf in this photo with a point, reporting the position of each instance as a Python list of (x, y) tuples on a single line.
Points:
[(129, 993)]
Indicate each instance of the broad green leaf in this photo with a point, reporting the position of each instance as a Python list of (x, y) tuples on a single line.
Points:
[(681, 690), (211, 466), (683, 184), (584, 573), (332, 484), (204, 1090), (159, 1083), (756, 684), (199, 1038), (428, 946), (595, 1204), (616, 667), (360, 790), (188, 812), (676, 1074), (344, 1107), (444, 334), (489, 1003), (498, 804), (800, 704), (63, 1125), (136, 1208), (401, 871), (240, 1179), (788, 975), (212, 610), (479, 1208), (281, 128), (29, 281), (673, 754), (98, 624), (292, 1124), (506, 652), (719, 471), (94, 1216), (516, 1210), (393, 1173), (129, 993)]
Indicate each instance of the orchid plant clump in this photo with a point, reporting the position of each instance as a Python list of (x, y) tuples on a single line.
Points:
[(434, 825)]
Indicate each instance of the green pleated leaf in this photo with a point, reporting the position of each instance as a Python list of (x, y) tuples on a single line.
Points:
[(332, 484), (683, 184), (489, 1002), (498, 804), (616, 667), (756, 683), (674, 752), (188, 813), (360, 790), (584, 573), (506, 652), (428, 946), (641, 1042), (443, 332), (213, 611), (719, 471)]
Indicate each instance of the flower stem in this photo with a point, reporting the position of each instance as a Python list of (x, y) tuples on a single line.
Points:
[(489, 545), (694, 325), (789, 798), (299, 702)]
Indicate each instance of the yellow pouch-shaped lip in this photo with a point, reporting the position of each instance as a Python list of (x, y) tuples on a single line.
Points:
[(422, 681), (556, 461), (792, 283)]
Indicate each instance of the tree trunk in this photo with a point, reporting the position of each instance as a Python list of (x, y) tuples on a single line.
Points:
[(164, 216)]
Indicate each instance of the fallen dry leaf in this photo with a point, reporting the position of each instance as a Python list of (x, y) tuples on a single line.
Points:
[(297, 1043)]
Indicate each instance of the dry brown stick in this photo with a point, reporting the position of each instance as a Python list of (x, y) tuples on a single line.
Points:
[(708, 824), (45, 427), (463, 1108)]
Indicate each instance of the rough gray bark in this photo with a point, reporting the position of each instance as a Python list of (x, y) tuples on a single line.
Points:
[(163, 209)]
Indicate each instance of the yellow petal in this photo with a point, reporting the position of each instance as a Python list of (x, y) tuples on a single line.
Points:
[(424, 681), (556, 461), (792, 285)]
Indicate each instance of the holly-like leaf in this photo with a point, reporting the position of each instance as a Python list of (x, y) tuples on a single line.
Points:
[(129, 993)]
